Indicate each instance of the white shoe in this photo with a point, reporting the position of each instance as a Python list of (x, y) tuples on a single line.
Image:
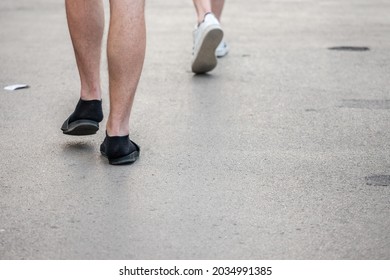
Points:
[(222, 49), (207, 37)]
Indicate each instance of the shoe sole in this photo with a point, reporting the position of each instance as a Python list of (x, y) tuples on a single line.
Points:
[(205, 60), (81, 127), (128, 159)]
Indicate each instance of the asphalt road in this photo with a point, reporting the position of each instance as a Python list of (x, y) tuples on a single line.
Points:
[(281, 152)]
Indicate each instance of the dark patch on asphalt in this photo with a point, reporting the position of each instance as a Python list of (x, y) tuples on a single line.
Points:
[(378, 180), (349, 48), (378, 104)]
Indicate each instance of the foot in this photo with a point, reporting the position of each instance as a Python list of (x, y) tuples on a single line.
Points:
[(222, 49), (207, 37), (119, 150), (85, 118)]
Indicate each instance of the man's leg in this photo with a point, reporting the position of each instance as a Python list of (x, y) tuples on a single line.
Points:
[(125, 51), (86, 25)]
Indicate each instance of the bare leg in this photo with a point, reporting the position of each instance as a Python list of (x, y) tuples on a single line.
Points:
[(202, 7), (86, 25), (125, 52), (206, 6), (217, 7)]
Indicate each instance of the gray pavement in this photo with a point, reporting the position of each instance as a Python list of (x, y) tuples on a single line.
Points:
[(267, 157)]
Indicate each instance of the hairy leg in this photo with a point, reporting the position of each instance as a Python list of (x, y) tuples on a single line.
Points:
[(125, 53), (86, 26)]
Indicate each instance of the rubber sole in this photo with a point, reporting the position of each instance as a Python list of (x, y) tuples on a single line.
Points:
[(127, 159), (205, 59), (80, 127)]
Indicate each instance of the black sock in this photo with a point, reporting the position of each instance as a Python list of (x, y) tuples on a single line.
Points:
[(87, 110)]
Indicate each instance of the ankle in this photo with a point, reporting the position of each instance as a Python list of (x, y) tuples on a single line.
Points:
[(88, 94), (202, 17), (117, 129)]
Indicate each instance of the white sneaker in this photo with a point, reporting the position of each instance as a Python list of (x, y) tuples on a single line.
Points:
[(207, 37), (222, 49)]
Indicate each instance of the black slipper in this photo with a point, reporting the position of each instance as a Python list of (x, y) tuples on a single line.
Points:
[(119, 150), (80, 127), (85, 118)]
